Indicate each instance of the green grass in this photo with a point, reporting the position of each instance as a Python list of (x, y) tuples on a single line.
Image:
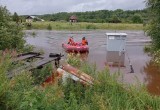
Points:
[(109, 94), (86, 26), (20, 93)]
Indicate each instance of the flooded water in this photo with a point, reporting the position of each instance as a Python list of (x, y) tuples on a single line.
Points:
[(144, 70)]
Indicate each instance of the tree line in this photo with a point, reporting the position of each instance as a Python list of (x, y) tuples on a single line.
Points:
[(101, 16)]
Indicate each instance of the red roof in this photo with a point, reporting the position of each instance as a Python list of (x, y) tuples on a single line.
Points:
[(73, 17)]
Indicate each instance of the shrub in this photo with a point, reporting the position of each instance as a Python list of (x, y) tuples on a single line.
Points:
[(156, 58), (27, 48), (137, 19), (154, 22), (49, 27), (11, 35), (41, 74), (33, 34), (74, 59), (147, 48), (90, 26)]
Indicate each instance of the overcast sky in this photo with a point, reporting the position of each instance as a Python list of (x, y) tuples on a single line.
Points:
[(30, 7)]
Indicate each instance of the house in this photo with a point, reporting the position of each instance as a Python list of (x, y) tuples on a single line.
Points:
[(73, 19), (30, 19)]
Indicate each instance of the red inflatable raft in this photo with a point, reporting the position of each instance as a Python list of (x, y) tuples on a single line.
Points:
[(75, 48)]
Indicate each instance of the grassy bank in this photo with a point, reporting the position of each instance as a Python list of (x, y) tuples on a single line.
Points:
[(20, 93), (85, 26)]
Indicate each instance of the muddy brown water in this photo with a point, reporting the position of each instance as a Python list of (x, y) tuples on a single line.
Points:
[(144, 70)]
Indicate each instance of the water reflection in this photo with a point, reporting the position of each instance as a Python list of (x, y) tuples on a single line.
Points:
[(153, 78), (51, 42)]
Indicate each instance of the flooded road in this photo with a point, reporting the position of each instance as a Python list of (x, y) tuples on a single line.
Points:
[(144, 71)]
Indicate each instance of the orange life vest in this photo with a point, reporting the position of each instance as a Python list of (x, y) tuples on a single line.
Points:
[(84, 42), (70, 41)]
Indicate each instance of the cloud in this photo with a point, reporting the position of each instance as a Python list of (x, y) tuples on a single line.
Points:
[(29, 7)]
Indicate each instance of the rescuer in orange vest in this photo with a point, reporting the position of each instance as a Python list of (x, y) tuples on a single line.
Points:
[(71, 41), (84, 41)]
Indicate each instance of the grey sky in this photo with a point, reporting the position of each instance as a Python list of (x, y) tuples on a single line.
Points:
[(28, 7)]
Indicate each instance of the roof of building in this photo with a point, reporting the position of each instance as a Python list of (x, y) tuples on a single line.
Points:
[(34, 17), (30, 17), (73, 17), (113, 34)]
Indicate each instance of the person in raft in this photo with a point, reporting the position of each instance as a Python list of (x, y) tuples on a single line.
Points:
[(71, 41), (84, 41)]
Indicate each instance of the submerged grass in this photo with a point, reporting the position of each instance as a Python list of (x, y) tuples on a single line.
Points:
[(86, 26), (106, 93)]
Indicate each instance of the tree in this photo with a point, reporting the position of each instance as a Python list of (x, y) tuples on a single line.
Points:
[(118, 13), (137, 19), (15, 17), (154, 24), (11, 35), (115, 19), (98, 16)]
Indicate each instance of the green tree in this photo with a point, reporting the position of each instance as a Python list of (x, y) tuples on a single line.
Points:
[(115, 19), (154, 25), (137, 19), (15, 17), (11, 35)]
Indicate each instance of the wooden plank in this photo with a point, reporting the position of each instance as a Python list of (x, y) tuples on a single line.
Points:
[(30, 66), (29, 53), (25, 56), (43, 62)]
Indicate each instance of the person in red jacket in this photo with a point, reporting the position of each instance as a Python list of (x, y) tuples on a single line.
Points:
[(71, 41), (84, 41)]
